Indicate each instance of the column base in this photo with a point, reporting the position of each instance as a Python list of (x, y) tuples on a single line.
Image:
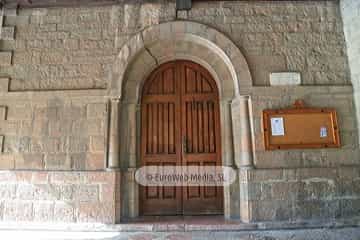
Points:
[(113, 169)]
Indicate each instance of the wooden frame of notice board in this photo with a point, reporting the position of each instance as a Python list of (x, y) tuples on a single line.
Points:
[(300, 127)]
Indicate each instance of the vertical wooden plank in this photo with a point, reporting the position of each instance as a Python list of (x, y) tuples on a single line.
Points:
[(211, 127), (161, 83), (171, 128), (217, 133), (169, 81), (188, 128), (190, 80), (145, 128), (150, 128), (206, 127), (166, 127), (198, 82), (153, 86), (195, 129), (161, 130), (200, 128), (155, 127), (157, 83)]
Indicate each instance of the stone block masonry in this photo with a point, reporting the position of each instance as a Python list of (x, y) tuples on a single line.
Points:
[(59, 196), (70, 48), (5, 58), (307, 38), (4, 85), (300, 194), (350, 10), (55, 134), (338, 97), (56, 68), (2, 113), (7, 33)]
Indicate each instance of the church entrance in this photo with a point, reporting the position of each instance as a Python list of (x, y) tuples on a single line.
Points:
[(180, 126)]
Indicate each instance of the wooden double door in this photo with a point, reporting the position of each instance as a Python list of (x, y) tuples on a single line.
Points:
[(180, 126)]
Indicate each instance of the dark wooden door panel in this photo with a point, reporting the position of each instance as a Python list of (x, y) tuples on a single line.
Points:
[(160, 138), (201, 136), (180, 126), (160, 128)]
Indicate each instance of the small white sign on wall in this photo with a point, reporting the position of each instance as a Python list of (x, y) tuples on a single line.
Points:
[(277, 126), (323, 132), (285, 78)]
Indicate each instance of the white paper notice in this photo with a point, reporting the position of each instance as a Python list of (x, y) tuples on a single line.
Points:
[(277, 126), (323, 132)]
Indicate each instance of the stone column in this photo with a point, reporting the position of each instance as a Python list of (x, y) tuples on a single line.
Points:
[(240, 108), (231, 192), (243, 148), (114, 135), (226, 134), (1, 16)]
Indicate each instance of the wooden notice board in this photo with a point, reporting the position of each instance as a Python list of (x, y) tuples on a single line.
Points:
[(300, 127)]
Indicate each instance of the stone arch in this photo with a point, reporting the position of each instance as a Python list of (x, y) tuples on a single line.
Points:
[(172, 40), (143, 53)]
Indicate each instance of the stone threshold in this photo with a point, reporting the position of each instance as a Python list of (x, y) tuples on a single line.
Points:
[(181, 225)]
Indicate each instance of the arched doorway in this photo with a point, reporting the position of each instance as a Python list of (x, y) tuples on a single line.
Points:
[(180, 125), (138, 57)]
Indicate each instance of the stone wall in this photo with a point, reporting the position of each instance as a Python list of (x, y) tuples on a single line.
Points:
[(292, 36), (350, 10), (75, 48), (300, 194), (336, 97), (44, 196), (53, 133), (61, 48), (56, 66)]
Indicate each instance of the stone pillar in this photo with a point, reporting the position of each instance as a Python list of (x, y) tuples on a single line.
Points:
[(129, 153), (243, 150), (1, 17), (226, 134), (114, 136), (231, 192), (245, 193), (242, 132)]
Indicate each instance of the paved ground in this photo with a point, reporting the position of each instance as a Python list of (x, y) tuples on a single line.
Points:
[(308, 234)]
